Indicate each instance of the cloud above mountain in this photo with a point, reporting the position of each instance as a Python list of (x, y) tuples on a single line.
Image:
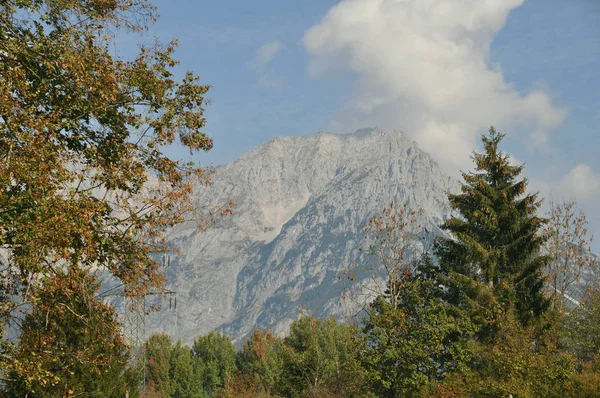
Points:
[(424, 65), (264, 55), (262, 59)]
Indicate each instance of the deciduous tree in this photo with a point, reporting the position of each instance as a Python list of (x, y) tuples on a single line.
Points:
[(84, 178), (568, 245), (214, 354), (71, 343), (522, 361), (582, 326), (413, 336), (262, 359), (392, 244), (416, 342), (322, 359)]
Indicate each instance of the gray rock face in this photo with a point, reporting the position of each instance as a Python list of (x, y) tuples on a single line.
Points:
[(300, 204)]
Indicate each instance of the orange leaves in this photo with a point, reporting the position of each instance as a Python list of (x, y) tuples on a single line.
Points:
[(568, 244), (67, 332), (85, 179), (349, 275), (68, 103)]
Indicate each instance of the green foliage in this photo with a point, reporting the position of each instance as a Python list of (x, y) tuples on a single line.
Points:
[(185, 374), (319, 358), (415, 342), (71, 344), (322, 359), (172, 371), (175, 370), (158, 356), (422, 347), (586, 383), (215, 357), (82, 134), (522, 361), (582, 327), (496, 240), (262, 359)]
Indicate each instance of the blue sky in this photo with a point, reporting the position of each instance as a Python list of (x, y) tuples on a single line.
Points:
[(441, 71)]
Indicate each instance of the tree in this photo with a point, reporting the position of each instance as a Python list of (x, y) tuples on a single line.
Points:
[(413, 337), (415, 340), (587, 382), (173, 372), (582, 326), (70, 342), (522, 361), (158, 356), (185, 373), (392, 244), (262, 359), (322, 359), (214, 354), (568, 245), (496, 242), (85, 179)]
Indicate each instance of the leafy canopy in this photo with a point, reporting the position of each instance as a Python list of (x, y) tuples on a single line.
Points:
[(71, 342), (85, 179)]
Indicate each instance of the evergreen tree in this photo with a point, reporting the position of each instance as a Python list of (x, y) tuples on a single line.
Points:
[(495, 244)]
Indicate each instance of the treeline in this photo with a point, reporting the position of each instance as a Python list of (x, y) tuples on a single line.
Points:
[(317, 358), (482, 314), (83, 137), (387, 355)]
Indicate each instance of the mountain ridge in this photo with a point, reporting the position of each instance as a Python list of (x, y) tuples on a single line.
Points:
[(300, 204)]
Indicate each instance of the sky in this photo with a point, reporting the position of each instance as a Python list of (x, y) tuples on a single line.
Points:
[(442, 71)]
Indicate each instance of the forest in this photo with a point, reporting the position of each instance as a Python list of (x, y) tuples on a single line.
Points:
[(484, 314), (488, 310)]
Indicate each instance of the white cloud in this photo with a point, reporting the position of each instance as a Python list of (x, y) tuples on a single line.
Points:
[(581, 183), (423, 66), (264, 55)]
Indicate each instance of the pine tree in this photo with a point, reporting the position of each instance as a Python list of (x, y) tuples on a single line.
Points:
[(493, 258)]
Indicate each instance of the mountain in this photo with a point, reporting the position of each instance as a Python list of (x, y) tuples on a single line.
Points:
[(301, 202)]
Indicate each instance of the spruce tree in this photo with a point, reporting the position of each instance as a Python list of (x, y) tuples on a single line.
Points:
[(493, 257)]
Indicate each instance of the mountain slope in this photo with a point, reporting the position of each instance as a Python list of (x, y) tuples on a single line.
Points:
[(300, 204)]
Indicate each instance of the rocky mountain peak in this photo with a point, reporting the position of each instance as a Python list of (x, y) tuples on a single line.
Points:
[(300, 204)]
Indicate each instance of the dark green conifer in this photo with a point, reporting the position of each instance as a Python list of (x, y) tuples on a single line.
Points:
[(495, 245)]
